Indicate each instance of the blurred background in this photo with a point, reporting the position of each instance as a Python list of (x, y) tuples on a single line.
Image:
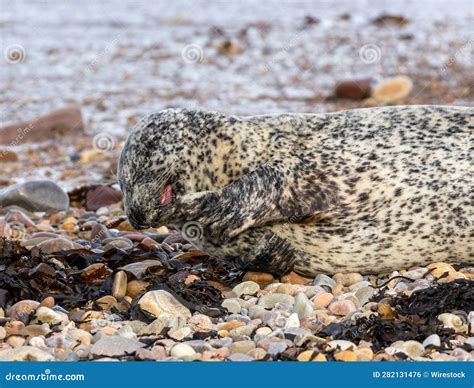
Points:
[(110, 62)]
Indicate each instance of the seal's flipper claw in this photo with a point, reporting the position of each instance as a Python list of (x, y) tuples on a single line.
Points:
[(273, 255)]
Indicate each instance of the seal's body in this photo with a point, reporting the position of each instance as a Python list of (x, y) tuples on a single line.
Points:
[(367, 190)]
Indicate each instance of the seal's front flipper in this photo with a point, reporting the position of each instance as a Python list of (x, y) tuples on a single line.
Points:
[(273, 254)]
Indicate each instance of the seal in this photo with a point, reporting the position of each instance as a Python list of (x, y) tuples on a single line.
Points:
[(365, 190)]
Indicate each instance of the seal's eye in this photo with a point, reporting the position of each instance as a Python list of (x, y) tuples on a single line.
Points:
[(167, 195)]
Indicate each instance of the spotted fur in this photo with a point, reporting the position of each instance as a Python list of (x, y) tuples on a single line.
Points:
[(366, 190)]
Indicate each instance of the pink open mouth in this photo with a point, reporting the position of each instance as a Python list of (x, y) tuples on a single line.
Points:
[(167, 195)]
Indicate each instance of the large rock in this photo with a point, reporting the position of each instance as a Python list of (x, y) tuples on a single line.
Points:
[(25, 353), (115, 346), (41, 195), (55, 123)]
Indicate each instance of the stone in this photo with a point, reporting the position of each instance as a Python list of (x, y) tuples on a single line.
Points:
[(25, 353), (106, 302), (346, 355), (56, 123), (3, 333), (228, 326), (364, 354), (324, 281), (306, 355), (269, 301), (135, 287), (240, 357), (432, 340), (8, 156), (35, 330), (453, 321), (119, 287), (285, 288), (115, 346), (342, 307), (200, 323), (157, 353), (392, 89), (312, 291), (101, 196), (413, 348), (15, 341), (17, 216), (292, 321), (180, 334), (354, 89), (242, 346), (182, 350), (263, 331), (294, 278), (48, 302), (348, 279), (160, 303), (56, 245), (364, 294), (22, 310), (36, 196), (303, 307), (232, 305), (276, 348), (262, 278), (323, 299), (246, 288), (242, 331), (342, 345)]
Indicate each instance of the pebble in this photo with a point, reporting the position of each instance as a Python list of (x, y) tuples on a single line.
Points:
[(56, 245), (312, 291), (347, 279), (246, 288), (182, 350), (135, 287), (200, 323), (294, 278), (276, 348), (22, 310), (323, 299), (364, 294), (232, 305), (354, 89), (25, 353), (262, 278), (263, 330), (114, 346), (35, 330), (242, 346), (454, 322), (302, 306), (35, 196), (3, 333), (342, 345), (342, 307), (160, 303), (364, 354), (119, 287), (269, 301), (180, 334), (346, 355), (324, 281), (432, 340), (292, 321), (240, 357), (285, 288)]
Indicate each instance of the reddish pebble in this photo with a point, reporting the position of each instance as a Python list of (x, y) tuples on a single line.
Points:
[(342, 307), (323, 299)]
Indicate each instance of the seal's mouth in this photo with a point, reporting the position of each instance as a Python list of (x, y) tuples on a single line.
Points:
[(167, 196)]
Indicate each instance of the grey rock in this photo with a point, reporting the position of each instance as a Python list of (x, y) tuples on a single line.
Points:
[(41, 195), (240, 357), (276, 348), (433, 339), (303, 307), (270, 300), (324, 281), (364, 294), (246, 288), (232, 305), (114, 346)]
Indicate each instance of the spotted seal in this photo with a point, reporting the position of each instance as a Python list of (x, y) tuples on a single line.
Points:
[(365, 190)]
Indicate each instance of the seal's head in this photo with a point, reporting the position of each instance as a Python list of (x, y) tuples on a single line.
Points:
[(155, 161)]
